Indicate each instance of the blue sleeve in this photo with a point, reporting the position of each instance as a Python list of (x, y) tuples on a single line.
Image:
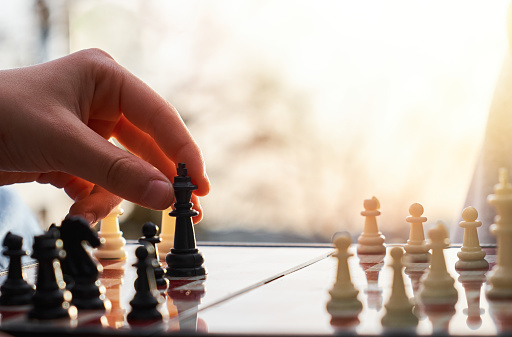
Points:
[(16, 217)]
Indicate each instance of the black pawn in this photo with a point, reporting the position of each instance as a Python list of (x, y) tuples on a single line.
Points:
[(78, 267), (149, 231), (146, 297), (15, 290), (48, 300), (184, 260)]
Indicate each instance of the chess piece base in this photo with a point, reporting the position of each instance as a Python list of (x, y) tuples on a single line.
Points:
[(371, 249), (416, 257), (471, 255), (416, 249), (371, 239), (346, 307), (438, 290), (500, 283), (144, 316), (16, 292), (48, 313), (495, 293), (472, 265), (434, 295), (186, 272), (184, 265), (88, 296), (110, 254), (399, 318), (113, 249)]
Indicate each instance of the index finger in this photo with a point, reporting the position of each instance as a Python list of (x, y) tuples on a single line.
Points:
[(152, 114)]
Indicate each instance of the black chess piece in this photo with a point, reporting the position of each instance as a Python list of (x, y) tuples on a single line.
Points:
[(149, 230), (184, 259), (146, 299), (78, 266), (15, 290), (49, 300)]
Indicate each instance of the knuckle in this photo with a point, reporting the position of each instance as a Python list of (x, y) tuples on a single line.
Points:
[(97, 61), (117, 171), (95, 55)]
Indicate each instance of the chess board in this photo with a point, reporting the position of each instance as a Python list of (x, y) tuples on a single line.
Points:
[(277, 290)]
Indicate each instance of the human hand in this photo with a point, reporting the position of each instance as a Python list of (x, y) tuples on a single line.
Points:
[(55, 122)]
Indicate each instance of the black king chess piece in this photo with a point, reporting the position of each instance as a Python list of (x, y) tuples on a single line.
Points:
[(184, 260), (15, 290)]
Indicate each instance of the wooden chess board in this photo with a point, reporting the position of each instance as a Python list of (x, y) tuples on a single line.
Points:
[(277, 290)]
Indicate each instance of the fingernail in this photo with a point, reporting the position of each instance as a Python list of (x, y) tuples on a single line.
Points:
[(90, 218), (157, 193)]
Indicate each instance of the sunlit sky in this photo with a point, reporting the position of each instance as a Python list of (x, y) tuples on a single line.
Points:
[(399, 90)]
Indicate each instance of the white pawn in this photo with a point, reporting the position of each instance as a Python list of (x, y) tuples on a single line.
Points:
[(344, 301), (437, 286), (399, 309), (471, 255), (371, 241), (166, 234), (113, 242), (416, 247), (500, 278)]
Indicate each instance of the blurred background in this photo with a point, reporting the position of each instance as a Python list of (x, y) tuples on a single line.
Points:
[(302, 109)]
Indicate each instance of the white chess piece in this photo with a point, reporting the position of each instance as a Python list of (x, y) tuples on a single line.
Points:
[(471, 255), (399, 309), (344, 301), (437, 285), (111, 236), (166, 234), (442, 227), (371, 240), (500, 277), (416, 247)]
